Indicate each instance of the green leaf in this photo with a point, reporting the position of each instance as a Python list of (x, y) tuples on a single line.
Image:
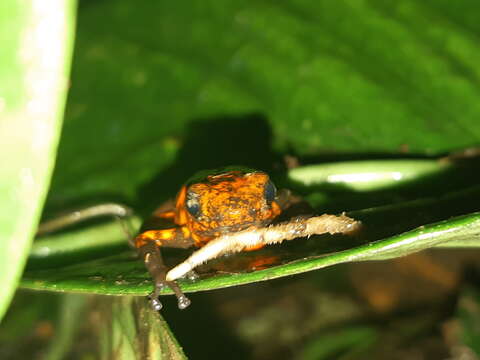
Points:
[(77, 245), (351, 341), (129, 328), (36, 45), (464, 331), (70, 313), (372, 175), (203, 85), (110, 326), (124, 274)]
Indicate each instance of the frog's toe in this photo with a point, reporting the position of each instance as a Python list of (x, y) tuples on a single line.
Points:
[(155, 303), (183, 302)]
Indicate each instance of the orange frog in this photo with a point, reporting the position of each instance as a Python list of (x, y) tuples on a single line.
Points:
[(211, 204), (221, 212)]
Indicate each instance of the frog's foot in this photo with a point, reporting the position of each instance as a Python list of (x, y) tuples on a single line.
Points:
[(154, 297), (157, 269)]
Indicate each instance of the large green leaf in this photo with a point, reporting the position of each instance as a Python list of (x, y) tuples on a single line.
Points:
[(36, 40), (203, 84), (199, 85), (48, 326), (124, 274)]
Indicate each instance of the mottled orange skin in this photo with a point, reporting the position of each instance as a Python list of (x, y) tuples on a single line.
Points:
[(227, 202)]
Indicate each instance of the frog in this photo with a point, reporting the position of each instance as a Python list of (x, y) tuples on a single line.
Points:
[(216, 212), (210, 204)]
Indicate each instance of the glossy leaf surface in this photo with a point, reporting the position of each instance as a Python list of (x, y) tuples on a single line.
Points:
[(36, 40), (203, 85)]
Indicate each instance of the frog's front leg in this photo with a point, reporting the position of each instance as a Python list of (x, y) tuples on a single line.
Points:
[(148, 245)]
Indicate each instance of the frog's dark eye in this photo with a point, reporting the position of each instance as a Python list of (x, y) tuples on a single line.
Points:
[(192, 205), (270, 192)]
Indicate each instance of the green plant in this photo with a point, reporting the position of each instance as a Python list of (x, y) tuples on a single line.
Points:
[(161, 90)]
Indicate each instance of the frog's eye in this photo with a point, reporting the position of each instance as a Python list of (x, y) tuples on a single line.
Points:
[(192, 204), (270, 192)]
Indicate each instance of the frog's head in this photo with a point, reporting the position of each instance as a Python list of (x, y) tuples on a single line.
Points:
[(228, 201)]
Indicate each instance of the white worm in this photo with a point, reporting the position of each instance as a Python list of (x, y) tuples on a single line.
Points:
[(273, 234)]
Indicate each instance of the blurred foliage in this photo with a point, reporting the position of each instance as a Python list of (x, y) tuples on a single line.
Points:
[(201, 85), (34, 67), (463, 332), (162, 90), (84, 327)]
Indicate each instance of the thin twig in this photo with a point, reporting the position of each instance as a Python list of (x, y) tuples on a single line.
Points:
[(75, 217)]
